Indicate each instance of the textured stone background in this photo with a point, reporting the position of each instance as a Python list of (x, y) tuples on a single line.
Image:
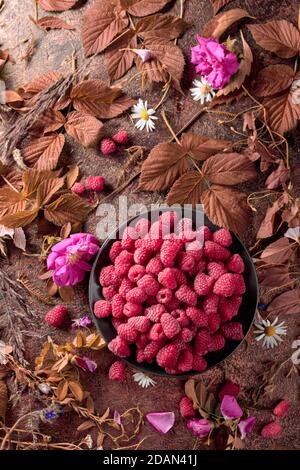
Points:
[(53, 52)]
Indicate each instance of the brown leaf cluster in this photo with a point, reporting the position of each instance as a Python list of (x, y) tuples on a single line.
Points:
[(51, 22)]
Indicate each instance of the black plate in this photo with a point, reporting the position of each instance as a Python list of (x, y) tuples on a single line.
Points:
[(246, 312)]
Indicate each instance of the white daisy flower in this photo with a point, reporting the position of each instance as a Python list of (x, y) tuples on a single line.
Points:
[(293, 233), (270, 332), (295, 88), (202, 91), (144, 115), (143, 380)]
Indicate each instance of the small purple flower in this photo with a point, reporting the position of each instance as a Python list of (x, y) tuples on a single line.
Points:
[(144, 54), (82, 322), (230, 408), (86, 364), (246, 426), (117, 417), (199, 427), (49, 415)]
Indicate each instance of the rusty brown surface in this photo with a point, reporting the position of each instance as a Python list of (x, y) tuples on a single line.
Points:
[(54, 50)]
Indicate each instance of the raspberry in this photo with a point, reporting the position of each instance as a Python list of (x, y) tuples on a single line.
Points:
[(136, 272), (225, 285), (117, 371), (203, 284), (181, 316), (142, 340), (216, 252), (151, 350), (150, 244), (126, 286), (141, 324), (117, 306), (240, 287), (125, 257), (116, 322), (136, 295), (102, 309), (149, 285), (122, 269), (169, 218), (222, 237), (196, 315), (271, 431), (214, 322), (169, 325), (185, 361), (108, 277), (78, 188), (157, 333), (215, 269), (107, 146), (56, 316), (109, 292), (167, 278), (173, 304), (154, 266), (229, 388), (184, 225), (140, 356), (142, 255), (195, 249), (127, 332), (204, 234), (229, 307), (185, 335), (199, 363), (233, 331), (142, 227), (168, 356), (121, 137), (235, 264), (115, 250), (201, 342), (216, 342), (158, 230), (151, 300), (187, 235), (200, 266), (168, 252), (155, 312), (180, 276), (186, 408), (211, 303), (128, 238), (281, 409), (187, 295), (186, 261), (95, 183), (132, 309), (119, 347), (164, 296)]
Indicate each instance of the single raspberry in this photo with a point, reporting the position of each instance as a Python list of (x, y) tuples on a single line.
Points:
[(168, 356), (125, 257), (281, 409), (169, 218), (240, 287), (117, 306), (216, 342), (109, 292), (271, 431), (151, 244), (155, 312), (142, 227), (136, 295), (204, 234), (181, 317), (199, 363), (132, 309), (102, 309), (126, 286), (115, 250), (197, 316), (128, 332), (185, 335), (216, 252), (129, 237), (156, 333), (180, 276), (187, 295), (116, 322), (149, 285), (154, 266), (117, 371), (229, 307), (121, 137), (78, 188), (211, 303), (136, 272), (169, 325), (168, 252), (214, 322), (225, 285), (173, 304), (222, 237), (203, 284), (140, 356), (108, 277), (119, 347), (215, 269), (186, 261), (141, 324), (201, 342), (195, 249), (122, 269), (158, 230), (164, 295), (95, 183), (167, 278), (185, 361), (142, 340), (229, 388), (187, 235), (186, 408), (151, 350), (142, 255), (107, 146), (233, 331), (56, 316), (236, 264)]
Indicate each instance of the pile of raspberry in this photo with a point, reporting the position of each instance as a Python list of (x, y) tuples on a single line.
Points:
[(172, 293)]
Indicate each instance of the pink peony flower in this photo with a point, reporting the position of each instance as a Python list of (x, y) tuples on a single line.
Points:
[(214, 61), (199, 427), (68, 258)]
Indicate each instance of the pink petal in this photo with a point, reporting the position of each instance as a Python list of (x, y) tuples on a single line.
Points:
[(162, 421), (230, 408), (246, 426), (117, 417), (199, 427)]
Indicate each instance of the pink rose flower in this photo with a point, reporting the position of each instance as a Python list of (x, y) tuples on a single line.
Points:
[(214, 61), (68, 258)]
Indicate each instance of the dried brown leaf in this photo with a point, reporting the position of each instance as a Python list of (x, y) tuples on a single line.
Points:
[(57, 5), (84, 128), (218, 4), (66, 294), (166, 27), (3, 400), (86, 426), (118, 60), (67, 208), (278, 176), (72, 176), (143, 7), (50, 121), (52, 22), (76, 390), (190, 392), (201, 147), (288, 302), (19, 239), (187, 189), (273, 276), (266, 228), (279, 36), (62, 390), (221, 22), (278, 252), (257, 150), (47, 189), (43, 153), (19, 219), (11, 201), (273, 79), (282, 113), (228, 169)]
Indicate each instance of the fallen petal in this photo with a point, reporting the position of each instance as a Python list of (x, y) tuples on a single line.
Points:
[(246, 426), (230, 408), (162, 421), (199, 427)]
